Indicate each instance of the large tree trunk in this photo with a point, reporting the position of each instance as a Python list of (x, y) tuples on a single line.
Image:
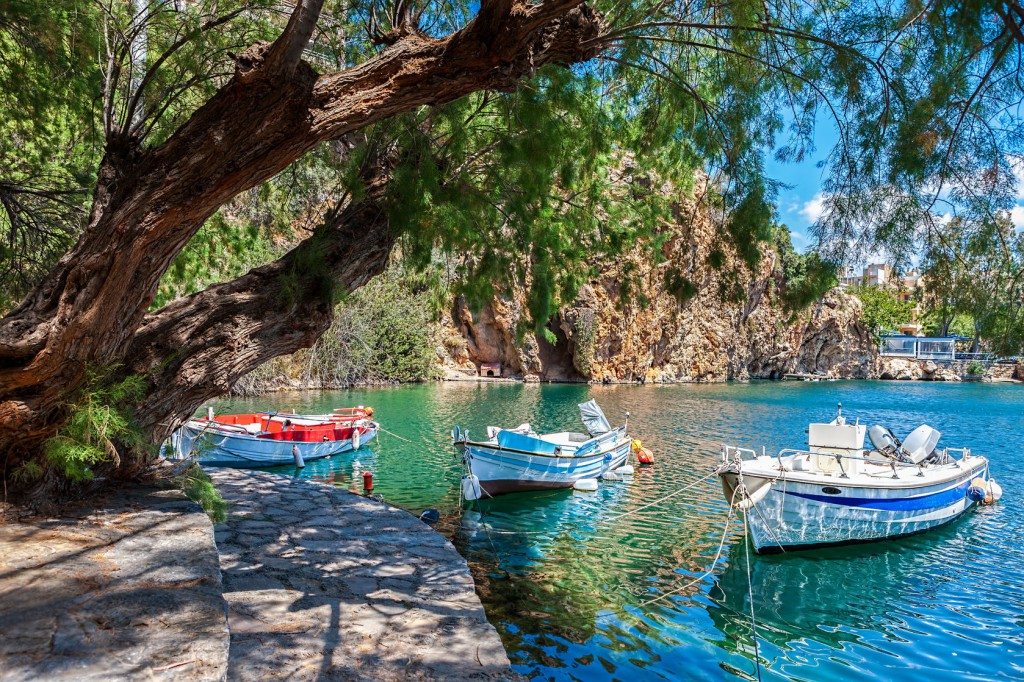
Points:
[(91, 312)]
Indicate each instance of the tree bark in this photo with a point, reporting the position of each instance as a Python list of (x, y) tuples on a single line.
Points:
[(149, 202), (196, 347)]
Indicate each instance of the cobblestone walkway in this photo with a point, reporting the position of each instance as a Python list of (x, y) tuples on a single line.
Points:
[(324, 584), (129, 589)]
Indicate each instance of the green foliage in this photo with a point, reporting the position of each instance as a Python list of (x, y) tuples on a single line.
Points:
[(805, 277), (974, 281), (882, 308), (974, 368), (532, 187), (382, 334), (48, 158), (517, 189), (679, 286), (27, 473), (199, 487), (957, 325), (99, 422), (222, 249), (584, 341)]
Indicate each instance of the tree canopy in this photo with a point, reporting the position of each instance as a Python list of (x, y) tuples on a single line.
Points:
[(921, 95)]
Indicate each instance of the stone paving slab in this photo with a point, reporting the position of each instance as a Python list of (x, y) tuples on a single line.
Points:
[(128, 589), (325, 584)]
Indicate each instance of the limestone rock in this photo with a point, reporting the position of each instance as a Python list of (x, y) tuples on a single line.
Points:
[(733, 326)]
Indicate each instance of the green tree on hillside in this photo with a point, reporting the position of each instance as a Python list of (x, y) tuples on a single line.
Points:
[(974, 273), (883, 310), (806, 277)]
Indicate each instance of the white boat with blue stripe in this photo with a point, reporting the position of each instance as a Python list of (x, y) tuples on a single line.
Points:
[(516, 460), (838, 492)]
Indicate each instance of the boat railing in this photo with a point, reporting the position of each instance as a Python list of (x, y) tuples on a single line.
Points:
[(598, 441), (733, 452), (862, 457)]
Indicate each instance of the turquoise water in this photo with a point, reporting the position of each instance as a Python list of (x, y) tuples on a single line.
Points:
[(581, 586)]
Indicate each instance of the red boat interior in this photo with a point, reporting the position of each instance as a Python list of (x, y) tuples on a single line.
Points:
[(281, 428)]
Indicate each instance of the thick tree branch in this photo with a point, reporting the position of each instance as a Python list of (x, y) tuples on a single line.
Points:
[(285, 53), (196, 347)]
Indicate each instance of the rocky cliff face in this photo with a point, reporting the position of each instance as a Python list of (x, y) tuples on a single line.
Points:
[(733, 327)]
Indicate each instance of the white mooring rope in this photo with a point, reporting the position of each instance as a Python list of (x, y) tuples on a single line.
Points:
[(750, 596), (661, 499)]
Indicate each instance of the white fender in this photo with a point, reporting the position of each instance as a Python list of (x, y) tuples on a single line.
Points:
[(586, 485), (750, 499), (995, 489), (471, 489)]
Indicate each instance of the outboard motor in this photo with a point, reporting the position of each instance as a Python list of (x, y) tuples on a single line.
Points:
[(885, 441), (920, 443)]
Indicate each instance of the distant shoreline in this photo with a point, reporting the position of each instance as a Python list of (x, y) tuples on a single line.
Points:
[(299, 387)]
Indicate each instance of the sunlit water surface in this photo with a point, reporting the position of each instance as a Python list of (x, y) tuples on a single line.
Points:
[(580, 586)]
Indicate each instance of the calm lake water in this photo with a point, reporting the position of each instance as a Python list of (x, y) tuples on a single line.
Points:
[(581, 587)]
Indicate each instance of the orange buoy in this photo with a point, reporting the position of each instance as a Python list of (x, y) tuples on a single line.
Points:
[(643, 455)]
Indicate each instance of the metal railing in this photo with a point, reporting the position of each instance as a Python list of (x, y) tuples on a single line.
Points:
[(733, 452)]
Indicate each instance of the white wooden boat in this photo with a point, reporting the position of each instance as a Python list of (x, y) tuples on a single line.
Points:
[(516, 460), (269, 438), (839, 492)]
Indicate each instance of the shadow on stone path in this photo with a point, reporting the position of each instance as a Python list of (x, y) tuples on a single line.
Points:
[(324, 584), (126, 589)]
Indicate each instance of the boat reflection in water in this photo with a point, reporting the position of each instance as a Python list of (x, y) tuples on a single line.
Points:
[(856, 600)]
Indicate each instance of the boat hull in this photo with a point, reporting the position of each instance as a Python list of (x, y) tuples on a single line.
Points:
[(800, 515), (248, 452), (504, 471)]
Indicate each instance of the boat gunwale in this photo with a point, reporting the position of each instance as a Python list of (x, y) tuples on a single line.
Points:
[(218, 430), (814, 478), (497, 448)]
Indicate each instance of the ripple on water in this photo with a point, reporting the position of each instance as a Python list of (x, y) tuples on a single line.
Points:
[(591, 586)]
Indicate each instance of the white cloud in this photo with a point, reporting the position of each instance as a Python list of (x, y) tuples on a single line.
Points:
[(813, 209), (1017, 216), (800, 240)]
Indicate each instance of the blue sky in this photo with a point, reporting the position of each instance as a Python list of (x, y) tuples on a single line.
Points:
[(800, 205)]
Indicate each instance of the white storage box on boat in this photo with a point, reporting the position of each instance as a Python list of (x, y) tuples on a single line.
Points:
[(838, 448)]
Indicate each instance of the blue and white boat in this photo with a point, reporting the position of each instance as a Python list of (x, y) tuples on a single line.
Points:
[(516, 460), (838, 492)]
